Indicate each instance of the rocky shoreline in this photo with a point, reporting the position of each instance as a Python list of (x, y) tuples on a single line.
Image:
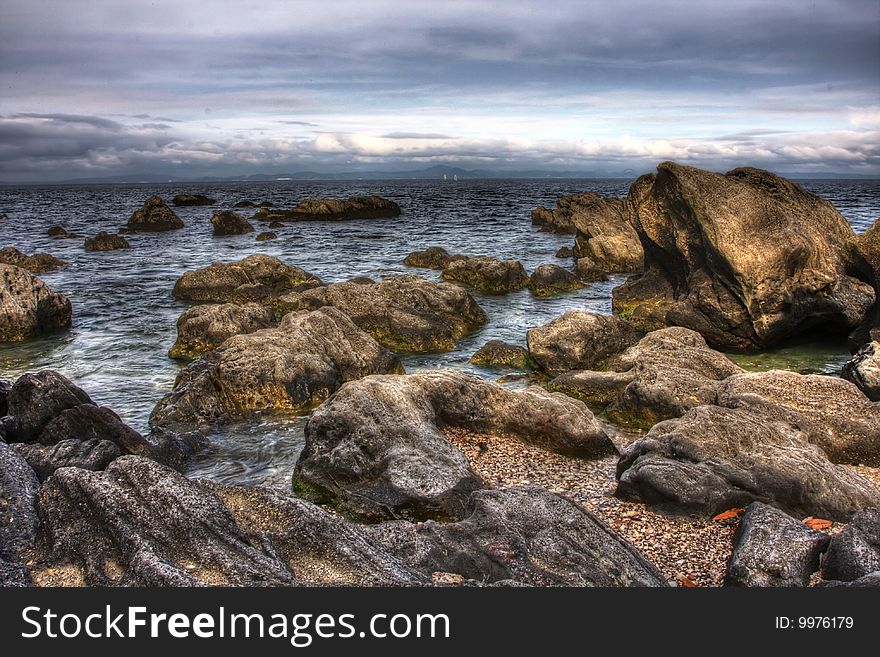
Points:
[(639, 456)]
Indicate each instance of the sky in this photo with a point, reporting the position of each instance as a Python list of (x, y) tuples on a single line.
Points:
[(100, 88)]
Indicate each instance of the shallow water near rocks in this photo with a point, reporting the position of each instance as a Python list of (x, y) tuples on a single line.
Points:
[(124, 318)]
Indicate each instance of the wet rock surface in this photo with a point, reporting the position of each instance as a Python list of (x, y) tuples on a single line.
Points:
[(500, 354), (29, 307), (154, 216), (205, 327), (39, 263), (328, 209), (487, 275), (105, 241), (434, 257), (550, 280), (863, 369), (229, 222)]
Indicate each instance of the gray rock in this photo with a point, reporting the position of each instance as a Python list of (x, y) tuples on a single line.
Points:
[(713, 459), (550, 280), (18, 516), (871, 580), (29, 307), (863, 369), (192, 199), (38, 263), (771, 548), (34, 400), (154, 216), (854, 553), (229, 222), (5, 387), (487, 275), (206, 327), (14, 575), (91, 454)]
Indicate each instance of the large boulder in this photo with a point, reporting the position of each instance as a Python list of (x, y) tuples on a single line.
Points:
[(497, 353), (330, 209), (527, 535), (550, 280), (434, 257), (863, 369), (487, 275), (831, 412), (18, 515), (258, 277), (867, 249), (192, 199), (666, 374), (38, 263), (154, 216), (402, 313), (376, 449), (713, 459), (229, 222), (104, 241), (746, 258), (770, 548), (29, 307), (206, 327), (854, 552), (289, 368), (578, 340)]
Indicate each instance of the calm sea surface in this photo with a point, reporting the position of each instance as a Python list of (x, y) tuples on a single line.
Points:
[(124, 316)]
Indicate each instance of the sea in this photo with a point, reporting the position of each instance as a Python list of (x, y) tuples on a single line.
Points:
[(124, 317)]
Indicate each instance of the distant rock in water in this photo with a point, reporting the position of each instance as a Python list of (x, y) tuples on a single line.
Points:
[(192, 199), (206, 327), (746, 258), (38, 263), (275, 225), (487, 275), (29, 307), (59, 232), (245, 204), (402, 313), (154, 216), (329, 209), (863, 369), (497, 353), (227, 222), (550, 280), (266, 236), (564, 252), (434, 257), (259, 277), (3, 216), (867, 248), (104, 241)]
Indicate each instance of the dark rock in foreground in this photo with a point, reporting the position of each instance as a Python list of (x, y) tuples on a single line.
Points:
[(228, 222), (771, 548), (29, 307), (292, 367), (497, 353), (402, 313), (550, 280), (91, 454), (434, 257), (18, 515), (192, 199), (206, 327), (155, 216), (864, 370), (104, 241), (746, 258), (713, 459), (376, 449), (527, 535), (328, 209), (487, 275), (855, 552), (38, 263)]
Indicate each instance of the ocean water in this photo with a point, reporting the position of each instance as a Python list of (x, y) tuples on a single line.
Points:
[(124, 318)]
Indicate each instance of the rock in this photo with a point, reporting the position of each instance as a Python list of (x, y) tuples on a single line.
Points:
[(192, 199), (487, 275), (5, 387), (18, 515), (38, 263), (832, 413), (550, 280), (863, 369), (867, 252), (329, 209), (29, 307), (59, 232), (713, 459), (265, 204), (587, 270), (527, 535), (578, 340), (266, 236), (245, 204), (771, 548), (34, 400), (854, 552), (258, 277), (275, 225), (564, 252), (91, 454), (104, 241), (376, 449), (292, 368), (497, 353), (552, 221), (228, 222), (434, 257), (402, 313), (3, 216), (746, 258), (871, 580), (206, 327), (14, 574), (666, 374), (154, 216)]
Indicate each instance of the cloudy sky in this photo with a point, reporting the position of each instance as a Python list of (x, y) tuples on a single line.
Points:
[(222, 87)]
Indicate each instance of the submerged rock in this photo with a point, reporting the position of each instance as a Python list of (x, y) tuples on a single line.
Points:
[(746, 258), (267, 235), (29, 307), (854, 552), (154, 216), (289, 368), (527, 535), (228, 222), (713, 459), (18, 515), (487, 275), (192, 199), (863, 369), (578, 340), (550, 280), (59, 232), (104, 241), (329, 209), (38, 263), (376, 449), (402, 313), (434, 257), (206, 327), (770, 548), (497, 353), (258, 277)]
